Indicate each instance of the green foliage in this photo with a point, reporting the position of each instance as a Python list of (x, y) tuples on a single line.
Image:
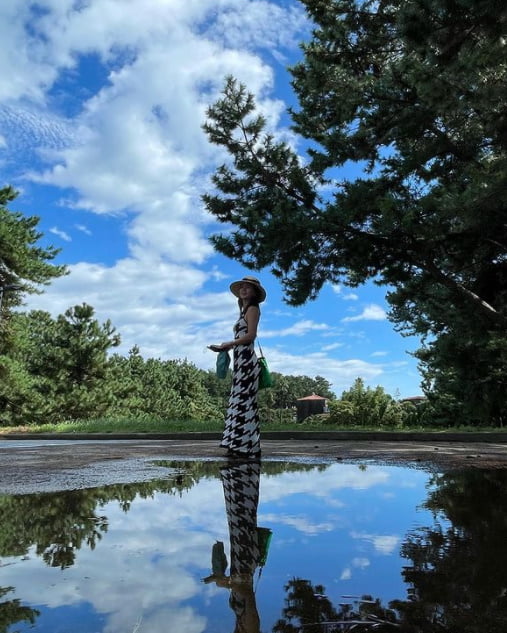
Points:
[(23, 263), (59, 368), (12, 612), (164, 390), (419, 415), (308, 608), (287, 389), (472, 389), (24, 266), (366, 407), (455, 566), (413, 92)]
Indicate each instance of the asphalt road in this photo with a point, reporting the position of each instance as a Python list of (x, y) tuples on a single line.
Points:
[(44, 463)]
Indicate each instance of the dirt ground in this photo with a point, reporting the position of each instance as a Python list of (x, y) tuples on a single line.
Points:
[(45, 463)]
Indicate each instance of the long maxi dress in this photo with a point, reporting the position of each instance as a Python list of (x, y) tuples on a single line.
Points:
[(241, 492), (241, 434)]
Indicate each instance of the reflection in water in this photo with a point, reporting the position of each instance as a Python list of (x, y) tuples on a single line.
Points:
[(57, 524), (12, 611), (311, 609), (376, 546), (241, 492), (457, 570)]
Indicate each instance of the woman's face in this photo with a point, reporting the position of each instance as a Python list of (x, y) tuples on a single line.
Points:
[(246, 292)]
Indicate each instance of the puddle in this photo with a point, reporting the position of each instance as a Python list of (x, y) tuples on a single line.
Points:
[(347, 547)]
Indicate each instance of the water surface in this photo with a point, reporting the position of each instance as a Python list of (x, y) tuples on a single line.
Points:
[(394, 547)]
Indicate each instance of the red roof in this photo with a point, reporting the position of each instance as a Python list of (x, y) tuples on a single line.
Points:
[(314, 396)]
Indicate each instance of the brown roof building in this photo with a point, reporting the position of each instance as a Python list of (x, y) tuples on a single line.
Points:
[(310, 405)]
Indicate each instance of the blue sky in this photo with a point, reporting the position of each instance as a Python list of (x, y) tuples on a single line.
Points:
[(101, 107)]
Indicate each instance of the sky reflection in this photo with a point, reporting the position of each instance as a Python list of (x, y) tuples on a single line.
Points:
[(340, 526)]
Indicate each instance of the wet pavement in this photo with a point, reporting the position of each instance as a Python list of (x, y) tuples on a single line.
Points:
[(47, 463)]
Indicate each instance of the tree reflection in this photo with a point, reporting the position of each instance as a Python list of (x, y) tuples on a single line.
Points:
[(457, 573), (61, 523), (12, 611), (458, 579), (308, 610)]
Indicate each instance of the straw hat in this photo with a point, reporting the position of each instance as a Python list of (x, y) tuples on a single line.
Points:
[(235, 286)]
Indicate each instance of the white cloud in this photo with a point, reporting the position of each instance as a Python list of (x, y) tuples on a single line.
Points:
[(340, 372), (265, 25), (383, 543), (350, 296), (325, 486), (84, 229), (297, 329), (26, 69), (360, 562), (328, 348), (30, 132), (156, 304), (136, 145), (302, 524), (62, 234), (372, 312)]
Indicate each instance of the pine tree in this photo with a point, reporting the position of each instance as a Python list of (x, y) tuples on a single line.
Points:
[(413, 94)]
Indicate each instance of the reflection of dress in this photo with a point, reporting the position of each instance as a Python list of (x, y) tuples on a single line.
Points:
[(241, 492), (241, 433)]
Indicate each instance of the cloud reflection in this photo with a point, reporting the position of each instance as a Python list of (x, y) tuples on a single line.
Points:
[(146, 570)]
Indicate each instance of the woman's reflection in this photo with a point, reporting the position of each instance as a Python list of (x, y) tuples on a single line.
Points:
[(240, 482)]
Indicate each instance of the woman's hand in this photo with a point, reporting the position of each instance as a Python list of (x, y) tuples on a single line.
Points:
[(223, 347)]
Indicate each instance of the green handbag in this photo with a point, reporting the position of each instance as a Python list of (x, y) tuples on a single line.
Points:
[(223, 362), (264, 540), (265, 377)]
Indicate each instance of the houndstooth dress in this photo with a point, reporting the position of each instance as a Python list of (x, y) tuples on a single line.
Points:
[(241, 434), (241, 492)]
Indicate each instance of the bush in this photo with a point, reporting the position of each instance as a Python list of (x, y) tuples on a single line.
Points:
[(366, 407)]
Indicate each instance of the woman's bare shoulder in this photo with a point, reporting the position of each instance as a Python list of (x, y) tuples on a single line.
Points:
[(253, 310)]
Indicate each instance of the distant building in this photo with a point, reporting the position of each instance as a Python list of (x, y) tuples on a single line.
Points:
[(310, 405), (414, 399)]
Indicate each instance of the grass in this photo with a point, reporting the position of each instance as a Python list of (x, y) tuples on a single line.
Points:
[(114, 425), (144, 425), (138, 426)]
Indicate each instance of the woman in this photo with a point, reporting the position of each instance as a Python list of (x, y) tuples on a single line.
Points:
[(241, 436)]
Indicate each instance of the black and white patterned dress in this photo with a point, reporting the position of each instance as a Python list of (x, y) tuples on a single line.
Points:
[(241, 433), (241, 492)]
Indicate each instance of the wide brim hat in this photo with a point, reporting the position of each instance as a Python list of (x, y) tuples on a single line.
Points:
[(235, 286)]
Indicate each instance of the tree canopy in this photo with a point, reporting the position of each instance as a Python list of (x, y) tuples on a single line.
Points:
[(24, 264), (412, 93)]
